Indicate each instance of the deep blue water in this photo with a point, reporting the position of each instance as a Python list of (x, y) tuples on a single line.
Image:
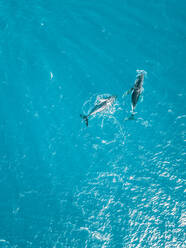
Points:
[(117, 183)]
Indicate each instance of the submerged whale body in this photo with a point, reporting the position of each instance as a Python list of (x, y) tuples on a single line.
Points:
[(136, 90), (103, 104)]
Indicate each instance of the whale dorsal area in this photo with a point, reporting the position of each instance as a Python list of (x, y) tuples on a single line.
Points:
[(100, 100)]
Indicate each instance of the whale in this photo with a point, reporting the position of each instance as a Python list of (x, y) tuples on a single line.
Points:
[(136, 90), (103, 103)]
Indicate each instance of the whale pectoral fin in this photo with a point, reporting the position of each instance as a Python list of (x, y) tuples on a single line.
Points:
[(127, 92), (141, 100)]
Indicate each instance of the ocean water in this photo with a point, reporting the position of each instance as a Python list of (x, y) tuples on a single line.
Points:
[(118, 183)]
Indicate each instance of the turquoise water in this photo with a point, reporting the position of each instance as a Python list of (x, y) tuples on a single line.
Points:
[(117, 183)]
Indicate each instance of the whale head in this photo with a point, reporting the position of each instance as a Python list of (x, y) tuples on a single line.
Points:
[(140, 78), (139, 81)]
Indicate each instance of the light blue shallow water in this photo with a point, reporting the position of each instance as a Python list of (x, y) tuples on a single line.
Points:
[(116, 183)]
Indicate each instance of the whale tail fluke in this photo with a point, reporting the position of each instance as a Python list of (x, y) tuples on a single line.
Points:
[(85, 118), (131, 117)]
